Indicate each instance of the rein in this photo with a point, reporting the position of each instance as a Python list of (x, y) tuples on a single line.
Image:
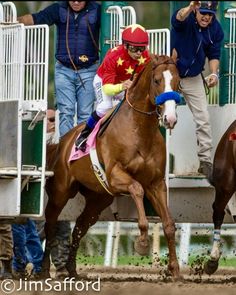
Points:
[(156, 112), (140, 111)]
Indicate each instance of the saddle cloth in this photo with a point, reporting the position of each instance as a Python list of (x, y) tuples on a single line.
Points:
[(91, 149), (91, 142)]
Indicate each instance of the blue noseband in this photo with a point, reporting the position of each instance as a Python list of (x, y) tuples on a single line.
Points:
[(171, 95)]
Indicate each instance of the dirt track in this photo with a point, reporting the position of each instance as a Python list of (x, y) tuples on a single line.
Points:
[(140, 282), (137, 281)]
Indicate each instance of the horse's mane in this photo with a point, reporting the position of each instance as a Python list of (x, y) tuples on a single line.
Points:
[(143, 75)]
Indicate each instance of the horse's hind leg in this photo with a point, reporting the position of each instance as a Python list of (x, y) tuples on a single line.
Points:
[(95, 203), (52, 212), (158, 197), (221, 199)]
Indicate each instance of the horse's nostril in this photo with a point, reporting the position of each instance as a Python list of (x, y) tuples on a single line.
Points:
[(169, 123)]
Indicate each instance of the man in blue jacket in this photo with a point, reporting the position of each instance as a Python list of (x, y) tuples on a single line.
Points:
[(78, 25), (196, 35)]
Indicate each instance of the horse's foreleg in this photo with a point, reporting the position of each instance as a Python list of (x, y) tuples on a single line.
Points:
[(94, 205), (158, 197), (121, 181), (142, 243), (221, 200)]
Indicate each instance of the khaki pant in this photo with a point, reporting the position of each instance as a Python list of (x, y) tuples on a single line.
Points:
[(194, 93), (6, 242)]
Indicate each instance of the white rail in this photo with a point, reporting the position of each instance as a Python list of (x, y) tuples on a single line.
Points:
[(115, 24), (1, 13), (231, 14), (36, 67), (9, 12), (159, 41), (11, 62), (129, 15)]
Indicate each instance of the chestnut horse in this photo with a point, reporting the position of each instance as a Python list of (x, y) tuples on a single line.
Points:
[(133, 154), (224, 181)]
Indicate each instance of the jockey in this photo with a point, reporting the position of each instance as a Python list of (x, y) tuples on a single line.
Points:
[(115, 73)]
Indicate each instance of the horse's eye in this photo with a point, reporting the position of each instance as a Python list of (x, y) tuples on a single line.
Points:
[(157, 81)]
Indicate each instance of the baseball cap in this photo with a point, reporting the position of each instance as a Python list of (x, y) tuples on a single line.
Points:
[(209, 6)]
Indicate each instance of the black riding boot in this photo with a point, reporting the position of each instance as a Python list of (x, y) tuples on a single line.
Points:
[(80, 142)]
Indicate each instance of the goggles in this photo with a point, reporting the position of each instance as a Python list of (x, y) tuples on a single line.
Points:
[(135, 49)]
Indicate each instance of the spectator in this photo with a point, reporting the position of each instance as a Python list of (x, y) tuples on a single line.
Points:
[(6, 250), (27, 250), (114, 75), (78, 24), (196, 34)]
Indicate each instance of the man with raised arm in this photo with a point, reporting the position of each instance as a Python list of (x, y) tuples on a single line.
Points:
[(196, 35)]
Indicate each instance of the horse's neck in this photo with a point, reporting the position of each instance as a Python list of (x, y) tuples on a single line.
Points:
[(139, 93), (133, 121)]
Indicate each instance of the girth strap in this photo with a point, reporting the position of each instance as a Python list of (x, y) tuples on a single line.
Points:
[(98, 170)]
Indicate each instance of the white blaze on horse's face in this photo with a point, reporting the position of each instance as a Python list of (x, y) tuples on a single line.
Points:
[(169, 114)]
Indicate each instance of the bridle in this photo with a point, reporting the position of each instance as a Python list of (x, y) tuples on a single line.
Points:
[(158, 108), (140, 111)]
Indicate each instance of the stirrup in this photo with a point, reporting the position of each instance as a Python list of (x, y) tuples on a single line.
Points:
[(82, 145)]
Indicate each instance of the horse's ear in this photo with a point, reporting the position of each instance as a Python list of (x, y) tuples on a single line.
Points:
[(174, 55), (153, 57)]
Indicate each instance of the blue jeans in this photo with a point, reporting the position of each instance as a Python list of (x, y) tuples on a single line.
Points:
[(70, 92), (27, 246)]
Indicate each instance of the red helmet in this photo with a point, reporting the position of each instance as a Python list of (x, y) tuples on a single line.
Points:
[(135, 35)]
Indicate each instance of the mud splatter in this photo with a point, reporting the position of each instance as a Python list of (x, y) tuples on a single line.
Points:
[(197, 267)]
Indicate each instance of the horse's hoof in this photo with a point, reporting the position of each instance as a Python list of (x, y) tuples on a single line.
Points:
[(177, 278), (211, 266), (142, 247), (173, 269)]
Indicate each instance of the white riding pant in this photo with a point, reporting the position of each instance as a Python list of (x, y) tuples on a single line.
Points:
[(195, 96), (104, 102)]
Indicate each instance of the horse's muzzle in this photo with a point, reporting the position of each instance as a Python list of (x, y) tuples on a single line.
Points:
[(169, 124), (169, 115)]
